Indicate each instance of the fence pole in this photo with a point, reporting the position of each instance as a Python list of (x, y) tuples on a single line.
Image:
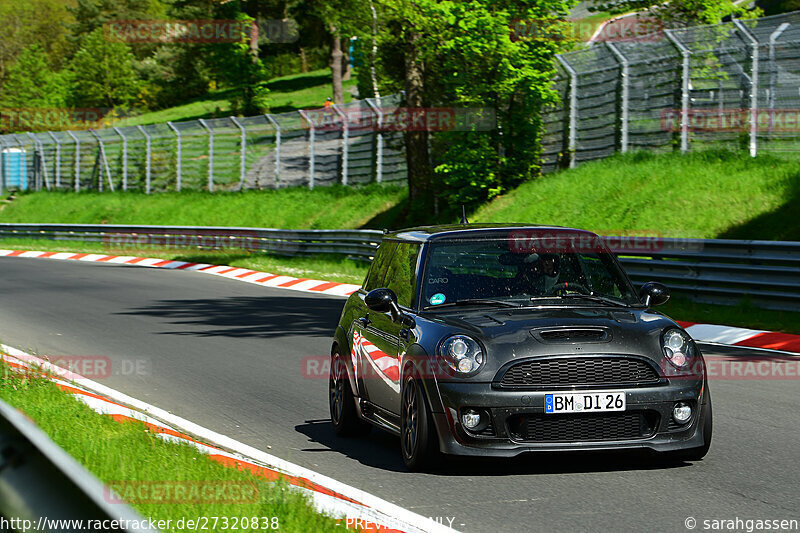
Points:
[(753, 86), (180, 150), (378, 140), (103, 163), (345, 136), (625, 79), (277, 148), (210, 154), (310, 149), (2, 164), (573, 110), (43, 162), (77, 160), (124, 158), (685, 73), (57, 162), (147, 162), (242, 152), (773, 70)]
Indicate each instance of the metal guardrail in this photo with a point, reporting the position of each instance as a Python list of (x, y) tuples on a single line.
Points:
[(43, 488), (359, 244), (767, 273)]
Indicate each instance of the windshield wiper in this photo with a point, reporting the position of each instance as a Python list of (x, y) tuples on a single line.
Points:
[(596, 298), (473, 301)]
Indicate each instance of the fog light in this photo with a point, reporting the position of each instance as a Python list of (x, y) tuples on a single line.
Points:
[(470, 418), (682, 412)]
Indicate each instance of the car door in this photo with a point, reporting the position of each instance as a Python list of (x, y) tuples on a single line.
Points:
[(388, 339), (369, 345)]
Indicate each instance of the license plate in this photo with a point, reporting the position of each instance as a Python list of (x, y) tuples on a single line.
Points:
[(584, 402)]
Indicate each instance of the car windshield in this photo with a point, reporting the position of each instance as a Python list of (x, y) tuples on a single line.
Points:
[(498, 270)]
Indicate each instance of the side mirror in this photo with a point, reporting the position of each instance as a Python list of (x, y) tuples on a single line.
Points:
[(381, 300), (654, 293)]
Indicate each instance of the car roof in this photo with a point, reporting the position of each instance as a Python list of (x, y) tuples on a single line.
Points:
[(474, 231)]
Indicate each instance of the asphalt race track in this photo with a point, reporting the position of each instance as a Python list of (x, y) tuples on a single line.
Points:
[(229, 356)]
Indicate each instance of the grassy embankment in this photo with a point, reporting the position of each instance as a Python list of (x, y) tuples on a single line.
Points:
[(701, 195), (288, 93), (129, 458)]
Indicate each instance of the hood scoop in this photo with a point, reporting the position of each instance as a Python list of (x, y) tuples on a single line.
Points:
[(571, 335)]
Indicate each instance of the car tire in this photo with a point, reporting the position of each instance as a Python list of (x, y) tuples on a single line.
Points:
[(344, 415), (697, 454), (418, 441)]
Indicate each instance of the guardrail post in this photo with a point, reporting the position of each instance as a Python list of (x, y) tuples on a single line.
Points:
[(210, 154), (242, 152), (378, 140), (77, 160), (310, 148), (572, 145), (124, 158), (625, 97), (180, 150), (57, 162), (147, 162), (277, 148), (685, 74), (753, 86), (345, 135), (773, 70)]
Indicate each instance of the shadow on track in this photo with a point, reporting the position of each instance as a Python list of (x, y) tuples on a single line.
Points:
[(381, 450), (247, 316)]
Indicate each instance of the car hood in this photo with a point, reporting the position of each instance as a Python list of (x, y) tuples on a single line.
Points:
[(510, 334)]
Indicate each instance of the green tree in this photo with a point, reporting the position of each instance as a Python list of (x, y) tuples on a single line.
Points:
[(31, 93), (31, 83), (42, 22), (463, 54), (104, 73)]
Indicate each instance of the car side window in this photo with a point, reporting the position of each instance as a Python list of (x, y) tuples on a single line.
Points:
[(401, 275), (377, 271)]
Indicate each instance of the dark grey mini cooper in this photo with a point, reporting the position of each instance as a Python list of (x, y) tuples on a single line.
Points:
[(486, 340)]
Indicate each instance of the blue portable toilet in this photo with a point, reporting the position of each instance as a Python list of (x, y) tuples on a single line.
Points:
[(15, 175)]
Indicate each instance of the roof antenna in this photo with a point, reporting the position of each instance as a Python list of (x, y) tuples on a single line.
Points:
[(464, 220)]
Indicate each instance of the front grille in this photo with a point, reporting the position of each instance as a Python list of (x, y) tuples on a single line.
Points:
[(573, 335), (580, 371), (583, 427)]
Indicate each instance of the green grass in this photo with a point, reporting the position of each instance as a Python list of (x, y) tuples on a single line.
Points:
[(704, 195), (288, 93), (742, 315), (118, 453), (295, 208)]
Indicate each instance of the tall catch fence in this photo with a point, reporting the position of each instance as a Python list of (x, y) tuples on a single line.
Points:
[(734, 85), (339, 144)]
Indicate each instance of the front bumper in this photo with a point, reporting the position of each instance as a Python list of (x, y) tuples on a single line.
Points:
[(507, 407)]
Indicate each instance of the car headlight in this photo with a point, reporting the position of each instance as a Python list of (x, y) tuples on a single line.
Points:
[(462, 354), (678, 348)]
